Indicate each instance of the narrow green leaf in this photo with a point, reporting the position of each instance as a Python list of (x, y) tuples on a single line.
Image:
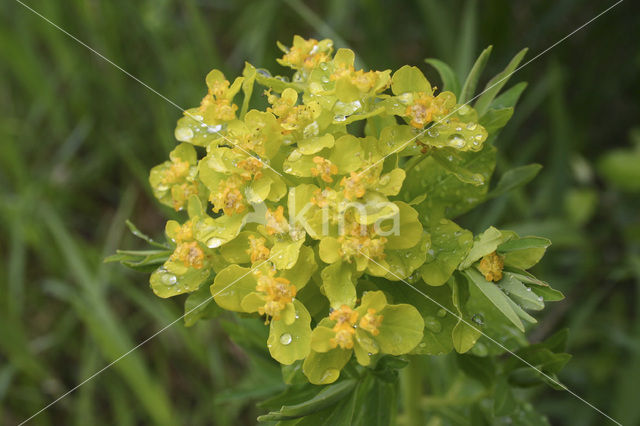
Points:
[(494, 85), (470, 84), (449, 80), (515, 178), (495, 296)]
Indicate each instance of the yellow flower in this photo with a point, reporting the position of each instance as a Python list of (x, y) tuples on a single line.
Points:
[(370, 322), (425, 108), (345, 319), (215, 99), (228, 198), (306, 54), (359, 240), (252, 167), (354, 186), (491, 267), (190, 254), (324, 168), (276, 222), (257, 249), (277, 293)]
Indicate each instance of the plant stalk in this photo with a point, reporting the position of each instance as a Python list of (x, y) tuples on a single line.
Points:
[(411, 382)]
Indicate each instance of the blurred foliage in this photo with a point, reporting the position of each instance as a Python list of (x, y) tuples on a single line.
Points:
[(75, 131)]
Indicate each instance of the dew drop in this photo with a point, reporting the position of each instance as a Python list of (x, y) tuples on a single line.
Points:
[(295, 155), (285, 339), (184, 134), (464, 109), (478, 319), (441, 313), (433, 132), (471, 126), (528, 288), (214, 129), (479, 137), (458, 129), (456, 141), (214, 242), (169, 279), (323, 66), (263, 72), (540, 299), (340, 118), (311, 130), (325, 79)]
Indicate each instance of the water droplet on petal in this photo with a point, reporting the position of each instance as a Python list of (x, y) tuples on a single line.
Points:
[(441, 313), (214, 242), (340, 118), (540, 299), (169, 279), (456, 141), (471, 126), (432, 324), (528, 288), (184, 134), (285, 339)]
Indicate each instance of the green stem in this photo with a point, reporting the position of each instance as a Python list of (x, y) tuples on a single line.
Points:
[(411, 382)]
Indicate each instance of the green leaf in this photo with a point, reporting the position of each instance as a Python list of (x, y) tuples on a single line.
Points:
[(494, 85), (480, 368), (469, 86), (495, 119), (167, 284), (288, 343), (200, 305), (135, 231), (519, 293), (510, 97), (539, 287), (140, 260), (448, 77), (504, 402), (447, 196), (495, 296), (328, 396), (449, 246), (464, 336), (523, 252), (514, 178), (484, 243)]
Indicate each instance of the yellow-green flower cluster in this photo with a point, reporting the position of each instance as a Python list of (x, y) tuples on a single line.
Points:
[(291, 209)]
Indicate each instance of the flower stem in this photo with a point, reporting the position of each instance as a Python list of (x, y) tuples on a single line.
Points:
[(411, 382)]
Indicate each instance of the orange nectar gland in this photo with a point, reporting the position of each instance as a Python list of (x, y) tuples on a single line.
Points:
[(223, 108), (276, 222), (324, 168), (423, 109), (354, 187), (345, 319), (257, 249), (356, 241), (307, 56), (491, 267), (228, 198), (252, 168), (277, 293), (370, 322), (190, 254)]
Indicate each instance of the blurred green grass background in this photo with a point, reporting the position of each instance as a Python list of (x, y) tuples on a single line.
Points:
[(77, 138)]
